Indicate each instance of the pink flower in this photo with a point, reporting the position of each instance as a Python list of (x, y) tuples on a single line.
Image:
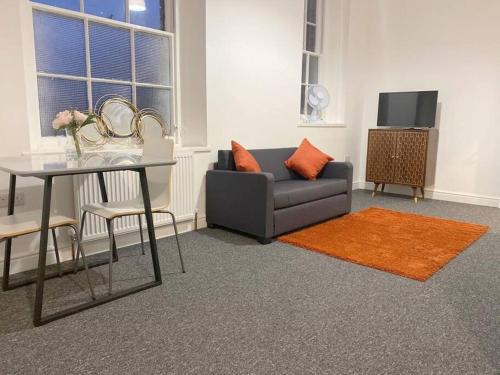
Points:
[(80, 118), (62, 119)]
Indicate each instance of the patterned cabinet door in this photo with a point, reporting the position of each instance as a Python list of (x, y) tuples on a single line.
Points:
[(381, 155), (411, 151)]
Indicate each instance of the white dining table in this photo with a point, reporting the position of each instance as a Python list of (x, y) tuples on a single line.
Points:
[(48, 166)]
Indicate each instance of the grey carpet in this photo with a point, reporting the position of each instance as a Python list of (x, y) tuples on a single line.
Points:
[(244, 308)]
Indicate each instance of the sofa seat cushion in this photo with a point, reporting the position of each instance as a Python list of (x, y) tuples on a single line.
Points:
[(290, 193)]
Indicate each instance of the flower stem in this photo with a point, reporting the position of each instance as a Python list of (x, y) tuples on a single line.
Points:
[(77, 144)]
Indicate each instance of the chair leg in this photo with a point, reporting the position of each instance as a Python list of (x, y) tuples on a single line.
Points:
[(73, 254), (79, 239), (142, 236), (84, 260), (111, 243), (177, 239), (56, 250), (115, 251), (6, 265)]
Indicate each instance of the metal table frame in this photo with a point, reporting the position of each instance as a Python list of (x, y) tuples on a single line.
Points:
[(38, 319)]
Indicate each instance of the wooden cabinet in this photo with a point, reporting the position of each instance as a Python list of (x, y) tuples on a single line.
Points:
[(400, 156)]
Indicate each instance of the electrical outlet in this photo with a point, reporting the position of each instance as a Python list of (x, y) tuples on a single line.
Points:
[(18, 201)]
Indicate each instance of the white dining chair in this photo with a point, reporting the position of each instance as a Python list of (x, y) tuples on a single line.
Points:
[(160, 191), (17, 225)]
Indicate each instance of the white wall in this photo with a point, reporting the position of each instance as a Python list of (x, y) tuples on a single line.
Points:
[(449, 45), (13, 109), (254, 56), (190, 29)]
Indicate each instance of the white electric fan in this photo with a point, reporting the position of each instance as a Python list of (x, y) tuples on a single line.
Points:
[(318, 99)]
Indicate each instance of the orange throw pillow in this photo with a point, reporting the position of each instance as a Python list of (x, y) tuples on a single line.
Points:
[(245, 162), (308, 161)]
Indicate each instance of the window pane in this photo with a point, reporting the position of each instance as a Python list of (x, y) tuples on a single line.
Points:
[(56, 95), (302, 98), (311, 11), (59, 44), (148, 13), (110, 52), (99, 90), (313, 69), (152, 59), (304, 67), (112, 9), (159, 99), (304, 105), (311, 38), (67, 4)]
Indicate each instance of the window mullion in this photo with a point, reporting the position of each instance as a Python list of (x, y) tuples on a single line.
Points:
[(132, 61), (88, 63), (307, 84), (127, 11), (174, 120), (304, 33), (61, 76)]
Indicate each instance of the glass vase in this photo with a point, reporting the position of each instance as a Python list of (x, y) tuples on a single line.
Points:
[(72, 148)]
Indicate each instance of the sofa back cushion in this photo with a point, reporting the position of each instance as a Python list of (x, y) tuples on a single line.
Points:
[(270, 160)]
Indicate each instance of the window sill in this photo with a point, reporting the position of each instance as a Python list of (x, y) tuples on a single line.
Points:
[(321, 125), (195, 149)]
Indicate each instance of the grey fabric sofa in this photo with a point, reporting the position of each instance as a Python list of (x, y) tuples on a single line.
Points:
[(276, 200)]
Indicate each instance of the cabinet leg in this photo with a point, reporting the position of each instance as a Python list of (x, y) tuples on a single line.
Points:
[(422, 190), (375, 189), (383, 188), (415, 198)]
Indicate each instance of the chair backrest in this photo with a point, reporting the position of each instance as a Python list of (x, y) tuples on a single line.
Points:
[(159, 178)]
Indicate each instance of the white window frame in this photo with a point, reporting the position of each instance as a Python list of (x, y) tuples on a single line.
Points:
[(56, 144), (319, 48)]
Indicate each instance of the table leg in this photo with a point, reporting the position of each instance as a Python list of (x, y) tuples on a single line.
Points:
[(104, 197), (8, 242), (150, 224), (37, 319), (42, 256)]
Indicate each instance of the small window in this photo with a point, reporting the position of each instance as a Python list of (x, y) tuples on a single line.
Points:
[(110, 9), (66, 4), (152, 16), (59, 44), (311, 51), (110, 52)]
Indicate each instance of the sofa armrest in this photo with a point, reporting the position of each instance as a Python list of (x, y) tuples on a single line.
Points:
[(342, 170), (336, 169), (243, 201)]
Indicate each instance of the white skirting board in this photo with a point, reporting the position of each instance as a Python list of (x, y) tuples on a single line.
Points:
[(442, 195)]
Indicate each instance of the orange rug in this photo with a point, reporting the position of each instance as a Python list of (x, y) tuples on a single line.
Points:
[(405, 244)]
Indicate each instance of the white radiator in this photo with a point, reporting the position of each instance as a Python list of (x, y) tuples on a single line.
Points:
[(124, 185)]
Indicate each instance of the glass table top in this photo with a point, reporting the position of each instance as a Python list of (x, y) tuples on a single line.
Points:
[(59, 164)]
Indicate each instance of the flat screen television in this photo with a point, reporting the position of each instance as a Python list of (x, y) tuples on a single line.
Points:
[(415, 109)]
